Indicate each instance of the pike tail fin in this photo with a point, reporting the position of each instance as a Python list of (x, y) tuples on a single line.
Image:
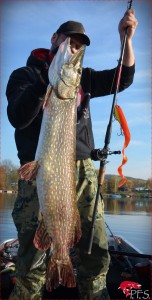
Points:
[(59, 273), (42, 241), (29, 170)]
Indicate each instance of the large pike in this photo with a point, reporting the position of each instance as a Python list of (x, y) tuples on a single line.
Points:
[(54, 166)]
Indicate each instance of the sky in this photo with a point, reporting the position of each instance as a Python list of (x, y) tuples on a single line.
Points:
[(27, 25)]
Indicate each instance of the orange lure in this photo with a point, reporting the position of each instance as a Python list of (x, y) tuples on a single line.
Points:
[(119, 115)]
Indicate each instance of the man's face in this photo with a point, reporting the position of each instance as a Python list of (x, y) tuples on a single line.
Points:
[(76, 41)]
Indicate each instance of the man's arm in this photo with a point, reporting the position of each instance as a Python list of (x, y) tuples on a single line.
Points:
[(130, 22), (25, 94), (102, 81)]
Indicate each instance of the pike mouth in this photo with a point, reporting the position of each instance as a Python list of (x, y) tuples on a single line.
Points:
[(66, 69), (75, 57)]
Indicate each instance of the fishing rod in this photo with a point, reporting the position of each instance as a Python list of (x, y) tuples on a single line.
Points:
[(121, 252), (102, 154), (133, 254)]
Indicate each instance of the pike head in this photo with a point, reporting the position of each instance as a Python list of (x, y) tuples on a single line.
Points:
[(65, 71)]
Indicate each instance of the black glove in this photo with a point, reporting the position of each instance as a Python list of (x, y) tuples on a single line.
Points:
[(44, 72)]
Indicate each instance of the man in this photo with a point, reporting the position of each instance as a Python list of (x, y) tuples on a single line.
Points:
[(25, 92)]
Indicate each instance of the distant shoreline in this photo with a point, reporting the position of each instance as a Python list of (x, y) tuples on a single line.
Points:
[(9, 191), (110, 195)]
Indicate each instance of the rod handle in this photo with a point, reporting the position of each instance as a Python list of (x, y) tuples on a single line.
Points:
[(91, 235), (101, 176), (91, 231)]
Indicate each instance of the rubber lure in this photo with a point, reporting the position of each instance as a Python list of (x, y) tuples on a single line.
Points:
[(119, 115)]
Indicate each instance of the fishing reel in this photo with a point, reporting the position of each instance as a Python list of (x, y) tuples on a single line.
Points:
[(100, 154)]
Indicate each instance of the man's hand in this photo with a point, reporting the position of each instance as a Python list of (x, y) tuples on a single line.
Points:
[(128, 21)]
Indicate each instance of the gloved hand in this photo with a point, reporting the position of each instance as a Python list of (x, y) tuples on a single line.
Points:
[(44, 72)]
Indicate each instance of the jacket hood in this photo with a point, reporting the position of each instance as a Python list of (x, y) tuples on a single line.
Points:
[(38, 56)]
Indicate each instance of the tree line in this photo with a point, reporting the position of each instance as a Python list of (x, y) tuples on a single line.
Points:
[(111, 183), (9, 180), (8, 175)]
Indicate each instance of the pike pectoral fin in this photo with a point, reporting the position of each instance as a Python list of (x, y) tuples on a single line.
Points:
[(59, 272), (29, 170), (46, 99), (42, 241)]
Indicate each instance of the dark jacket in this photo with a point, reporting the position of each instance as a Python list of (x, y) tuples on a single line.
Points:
[(25, 93)]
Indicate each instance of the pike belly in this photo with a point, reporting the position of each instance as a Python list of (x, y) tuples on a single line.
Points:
[(56, 184)]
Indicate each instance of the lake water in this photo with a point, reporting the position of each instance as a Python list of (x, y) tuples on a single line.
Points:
[(127, 217)]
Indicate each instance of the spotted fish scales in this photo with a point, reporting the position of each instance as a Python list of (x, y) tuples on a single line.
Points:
[(55, 166)]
